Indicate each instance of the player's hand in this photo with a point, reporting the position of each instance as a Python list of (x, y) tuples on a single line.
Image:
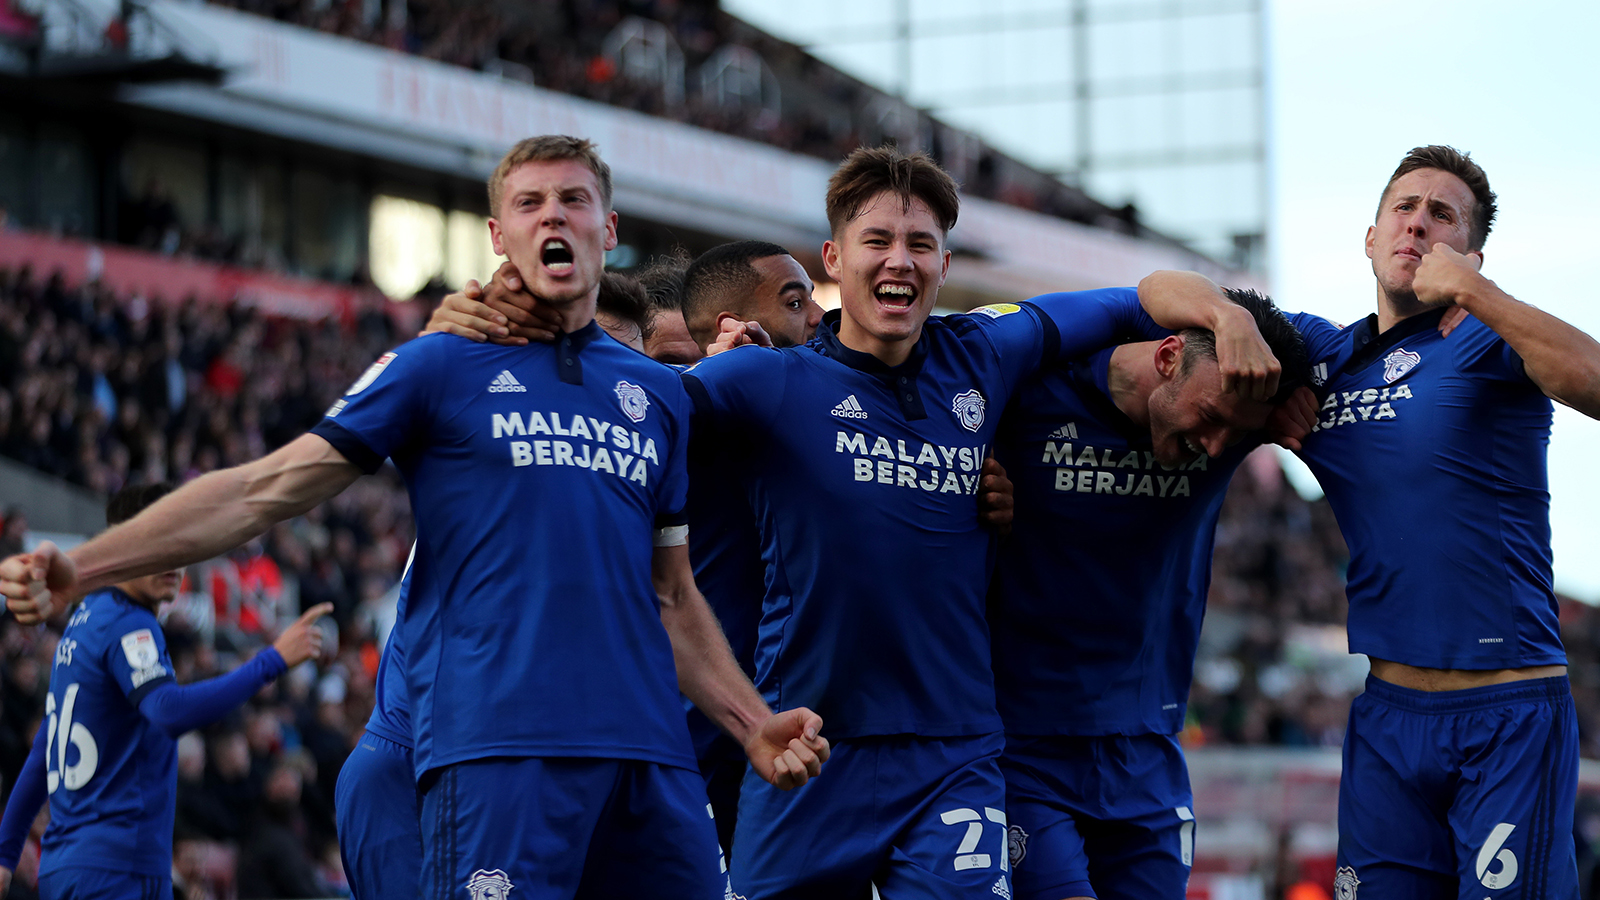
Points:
[(1247, 365), (33, 582), (1444, 276), (465, 315), (5, 882), (734, 333), (788, 749), (302, 640), (1293, 419), (996, 497), (1451, 319), (530, 319)]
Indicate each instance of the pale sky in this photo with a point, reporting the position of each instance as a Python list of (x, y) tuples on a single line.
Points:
[(1357, 83)]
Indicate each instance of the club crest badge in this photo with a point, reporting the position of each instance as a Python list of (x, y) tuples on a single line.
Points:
[(489, 885), (1345, 884), (633, 400), (1016, 844), (1398, 363), (968, 407)]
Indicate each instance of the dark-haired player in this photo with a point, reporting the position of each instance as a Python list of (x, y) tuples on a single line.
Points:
[(1121, 459), (1460, 760), (751, 281), (106, 754), (866, 448)]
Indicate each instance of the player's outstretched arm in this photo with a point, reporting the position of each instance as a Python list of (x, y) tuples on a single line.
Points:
[(500, 312), (1562, 360), (180, 708), (214, 513), (1179, 300), (786, 748), (28, 795)]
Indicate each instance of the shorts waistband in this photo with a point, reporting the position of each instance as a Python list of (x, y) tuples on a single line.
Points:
[(1555, 688)]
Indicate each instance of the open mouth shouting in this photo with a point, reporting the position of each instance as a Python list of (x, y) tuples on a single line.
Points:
[(896, 295), (556, 255)]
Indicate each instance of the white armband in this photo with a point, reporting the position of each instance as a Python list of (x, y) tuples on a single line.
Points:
[(672, 536)]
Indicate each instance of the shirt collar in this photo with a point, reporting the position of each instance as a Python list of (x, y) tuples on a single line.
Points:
[(828, 340)]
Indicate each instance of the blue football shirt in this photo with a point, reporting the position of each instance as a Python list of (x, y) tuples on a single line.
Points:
[(391, 709), (537, 477), (725, 548), (112, 775), (863, 480), (1432, 453), (1099, 591)]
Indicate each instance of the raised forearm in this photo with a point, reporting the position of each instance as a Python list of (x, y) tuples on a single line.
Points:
[(707, 672), (1562, 360), (1179, 300), (215, 513)]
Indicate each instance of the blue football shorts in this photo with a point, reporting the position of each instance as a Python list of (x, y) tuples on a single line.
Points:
[(922, 818), (375, 807), (537, 828), (1459, 794), (1108, 817)]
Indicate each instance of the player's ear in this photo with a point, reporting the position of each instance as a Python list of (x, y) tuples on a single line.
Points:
[(494, 237), (611, 230), (1169, 356), (1371, 241), (830, 260)]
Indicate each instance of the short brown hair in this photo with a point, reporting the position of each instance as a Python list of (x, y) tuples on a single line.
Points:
[(868, 172), (1449, 159), (549, 148)]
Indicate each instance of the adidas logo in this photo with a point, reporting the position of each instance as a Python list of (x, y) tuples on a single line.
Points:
[(850, 408), (1069, 430), (1001, 889), (506, 383)]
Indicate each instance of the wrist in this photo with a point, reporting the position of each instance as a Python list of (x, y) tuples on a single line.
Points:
[(748, 728), (1227, 317)]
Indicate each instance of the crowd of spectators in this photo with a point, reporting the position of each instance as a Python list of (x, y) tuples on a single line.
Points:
[(104, 390), (563, 45)]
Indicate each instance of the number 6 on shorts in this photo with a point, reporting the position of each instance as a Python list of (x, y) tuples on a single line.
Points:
[(965, 857)]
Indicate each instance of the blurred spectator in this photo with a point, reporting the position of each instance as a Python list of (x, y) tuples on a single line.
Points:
[(14, 526), (275, 862)]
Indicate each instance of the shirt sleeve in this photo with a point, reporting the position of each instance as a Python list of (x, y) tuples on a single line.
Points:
[(1061, 325), (739, 387), (1481, 350), (177, 709), (673, 492), (1321, 336), (390, 405), (28, 795), (138, 660)]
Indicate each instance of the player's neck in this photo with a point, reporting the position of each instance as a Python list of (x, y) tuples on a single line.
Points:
[(1131, 378), (575, 314), (137, 594), (1396, 308), (890, 353)]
